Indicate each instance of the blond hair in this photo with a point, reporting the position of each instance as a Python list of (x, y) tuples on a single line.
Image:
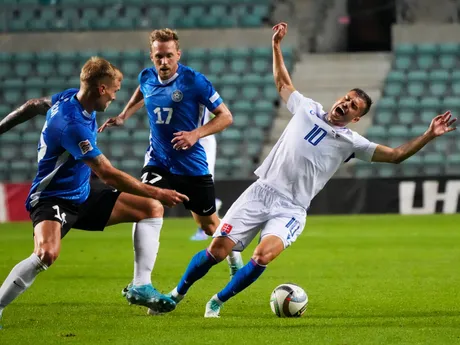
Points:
[(97, 68), (164, 35)]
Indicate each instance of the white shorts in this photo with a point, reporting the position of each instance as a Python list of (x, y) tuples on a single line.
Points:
[(210, 147), (261, 208)]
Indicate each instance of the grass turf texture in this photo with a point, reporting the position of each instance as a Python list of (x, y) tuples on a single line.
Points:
[(370, 280)]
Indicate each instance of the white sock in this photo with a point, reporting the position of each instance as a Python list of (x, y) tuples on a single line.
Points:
[(20, 278), (146, 241), (234, 258)]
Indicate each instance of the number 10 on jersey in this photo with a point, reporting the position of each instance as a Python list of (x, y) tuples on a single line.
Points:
[(315, 135)]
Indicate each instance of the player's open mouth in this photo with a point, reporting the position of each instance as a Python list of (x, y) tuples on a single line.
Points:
[(339, 111)]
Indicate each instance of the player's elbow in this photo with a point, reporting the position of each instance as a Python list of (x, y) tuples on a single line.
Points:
[(227, 115), (108, 175), (37, 106), (396, 157)]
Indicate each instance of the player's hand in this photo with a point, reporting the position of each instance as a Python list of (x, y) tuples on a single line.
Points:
[(171, 198), (184, 140), (442, 124), (280, 31), (112, 122)]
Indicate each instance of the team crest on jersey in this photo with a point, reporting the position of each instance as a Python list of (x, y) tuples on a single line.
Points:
[(225, 230), (177, 96), (85, 146)]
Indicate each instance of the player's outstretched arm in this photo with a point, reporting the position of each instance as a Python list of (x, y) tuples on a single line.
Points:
[(283, 81), (135, 103), (128, 184), (440, 125), (27, 111), (222, 119)]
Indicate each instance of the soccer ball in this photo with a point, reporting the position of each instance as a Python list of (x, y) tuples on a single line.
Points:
[(288, 300)]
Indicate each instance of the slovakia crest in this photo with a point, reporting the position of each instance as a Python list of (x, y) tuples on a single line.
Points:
[(177, 96)]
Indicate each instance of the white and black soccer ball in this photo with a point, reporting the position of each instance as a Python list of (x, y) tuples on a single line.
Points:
[(288, 300)]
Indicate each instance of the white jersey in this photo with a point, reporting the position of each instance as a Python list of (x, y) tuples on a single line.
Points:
[(309, 152), (209, 144)]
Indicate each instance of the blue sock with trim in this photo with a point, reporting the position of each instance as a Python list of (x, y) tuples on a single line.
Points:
[(197, 269), (244, 277)]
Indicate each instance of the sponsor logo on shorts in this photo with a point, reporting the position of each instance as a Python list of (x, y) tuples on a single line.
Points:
[(226, 229), (177, 96), (85, 146)]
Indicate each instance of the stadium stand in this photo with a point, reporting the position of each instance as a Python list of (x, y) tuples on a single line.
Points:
[(243, 77), (423, 81)]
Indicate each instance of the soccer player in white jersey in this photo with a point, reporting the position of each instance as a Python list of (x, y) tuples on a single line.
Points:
[(209, 144), (310, 150)]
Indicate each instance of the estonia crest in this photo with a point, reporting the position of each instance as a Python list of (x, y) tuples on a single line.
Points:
[(177, 96)]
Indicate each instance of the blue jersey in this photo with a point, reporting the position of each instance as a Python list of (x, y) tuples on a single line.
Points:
[(68, 136), (174, 105)]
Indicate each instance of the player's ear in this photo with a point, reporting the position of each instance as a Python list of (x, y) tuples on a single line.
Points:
[(356, 119), (102, 89), (179, 54)]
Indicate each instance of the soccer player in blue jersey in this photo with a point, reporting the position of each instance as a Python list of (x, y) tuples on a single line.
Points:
[(176, 97), (62, 197)]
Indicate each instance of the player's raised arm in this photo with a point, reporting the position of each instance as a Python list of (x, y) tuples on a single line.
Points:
[(135, 103), (440, 125), (280, 73), (27, 111), (126, 183)]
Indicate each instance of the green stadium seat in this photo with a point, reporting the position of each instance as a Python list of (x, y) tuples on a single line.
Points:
[(231, 79), (250, 92), (427, 49), (441, 144), (397, 76), (238, 65), (45, 69), (231, 134), (403, 62), (270, 92), (262, 52), (261, 65), (449, 48), (241, 119), (31, 93), (12, 97), (253, 148), (405, 49), (455, 75), (447, 61), (384, 117), (412, 166), (415, 89), (250, 21), (430, 103), (453, 164), (406, 117), (418, 130), (23, 69), (230, 148), (440, 75), (438, 88), (264, 106), (387, 170), (398, 131), (13, 83), (417, 76), (452, 103), (425, 61), (256, 134), (229, 93), (263, 120), (198, 65), (216, 66), (387, 103), (456, 88), (393, 88), (252, 78), (409, 103)]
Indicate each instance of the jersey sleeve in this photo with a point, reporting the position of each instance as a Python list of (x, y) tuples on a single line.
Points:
[(363, 148), (79, 141), (296, 99), (207, 95)]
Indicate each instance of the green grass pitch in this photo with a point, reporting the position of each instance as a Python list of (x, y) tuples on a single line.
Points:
[(370, 280)]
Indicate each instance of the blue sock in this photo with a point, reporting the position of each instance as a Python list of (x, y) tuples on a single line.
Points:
[(241, 280), (197, 268)]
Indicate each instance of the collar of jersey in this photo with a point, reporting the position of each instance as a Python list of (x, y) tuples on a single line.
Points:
[(87, 115), (323, 117), (167, 81)]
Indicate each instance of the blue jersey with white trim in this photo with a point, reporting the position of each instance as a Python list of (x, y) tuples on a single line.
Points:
[(174, 105), (68, 137)]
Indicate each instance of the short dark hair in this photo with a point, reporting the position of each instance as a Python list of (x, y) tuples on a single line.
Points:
[(365, 97)]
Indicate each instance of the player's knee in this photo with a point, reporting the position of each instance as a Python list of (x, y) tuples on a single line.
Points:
[(209, 229), (263, 257), (219, 252), (152, 209), (48, 255)]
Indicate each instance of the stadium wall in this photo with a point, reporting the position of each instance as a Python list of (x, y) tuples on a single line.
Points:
[(340, 196)]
